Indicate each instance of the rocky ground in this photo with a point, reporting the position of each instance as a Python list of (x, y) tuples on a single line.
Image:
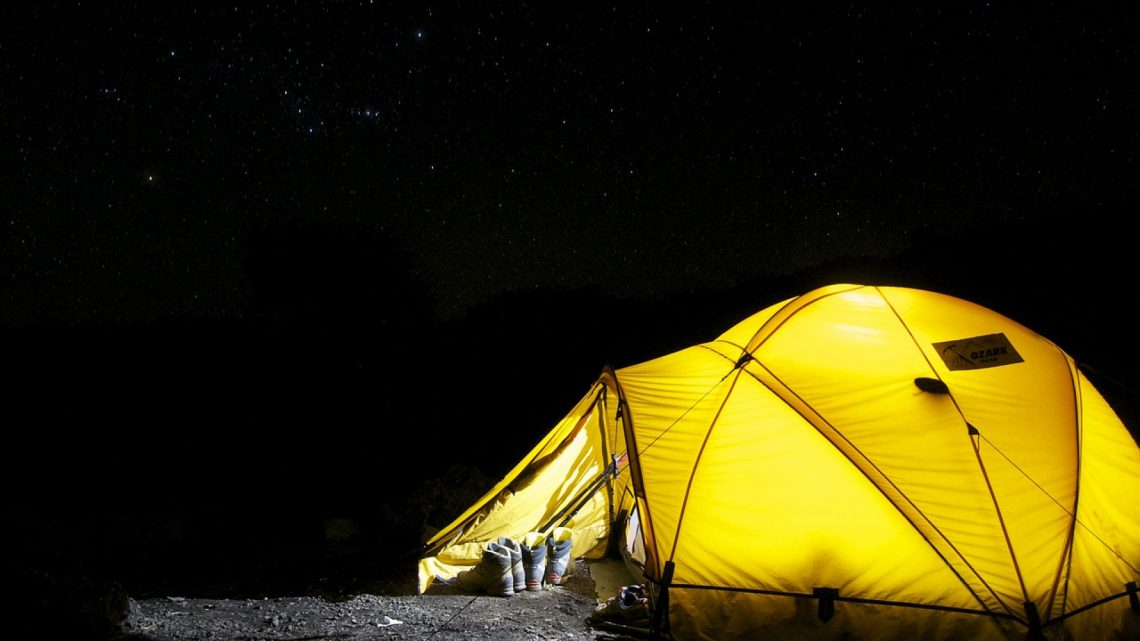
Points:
[(102, 582), (157, 566), (554, 613)]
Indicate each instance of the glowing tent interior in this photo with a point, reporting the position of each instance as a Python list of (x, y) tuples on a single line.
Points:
[(856, 462)]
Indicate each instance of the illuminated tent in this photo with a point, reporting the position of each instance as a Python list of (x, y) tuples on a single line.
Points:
[(854, 463)]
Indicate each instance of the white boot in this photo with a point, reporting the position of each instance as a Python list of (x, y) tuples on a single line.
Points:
[(534, 559), (515, 550), (494, 574), (558, 561)]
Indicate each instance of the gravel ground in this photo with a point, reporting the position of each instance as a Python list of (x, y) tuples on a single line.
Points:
[(554, 613)]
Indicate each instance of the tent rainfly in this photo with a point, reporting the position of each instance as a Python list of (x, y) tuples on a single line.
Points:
[(858, 462)]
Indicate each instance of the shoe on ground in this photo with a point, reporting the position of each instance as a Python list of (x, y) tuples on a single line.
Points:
[(630, 607)]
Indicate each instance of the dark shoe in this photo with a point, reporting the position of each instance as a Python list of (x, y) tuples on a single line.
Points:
[(630, 608)]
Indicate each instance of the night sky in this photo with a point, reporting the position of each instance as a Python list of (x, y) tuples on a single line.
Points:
[(512, 147), (239, 217)]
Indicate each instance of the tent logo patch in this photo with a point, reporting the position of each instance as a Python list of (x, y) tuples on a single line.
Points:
[(978, 352)]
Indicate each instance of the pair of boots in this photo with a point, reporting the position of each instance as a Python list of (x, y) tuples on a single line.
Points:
[(508, 567), (547, 557)]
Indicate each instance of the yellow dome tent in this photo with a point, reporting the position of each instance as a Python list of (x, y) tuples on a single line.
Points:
[(854, 463)]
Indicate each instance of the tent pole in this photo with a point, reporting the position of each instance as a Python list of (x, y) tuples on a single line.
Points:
[(658, 627)]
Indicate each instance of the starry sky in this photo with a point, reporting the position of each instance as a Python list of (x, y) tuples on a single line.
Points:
[(497, 147)]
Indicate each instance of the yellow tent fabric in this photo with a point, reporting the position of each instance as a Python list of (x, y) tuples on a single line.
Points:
[(859, 462), (563, 481)]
